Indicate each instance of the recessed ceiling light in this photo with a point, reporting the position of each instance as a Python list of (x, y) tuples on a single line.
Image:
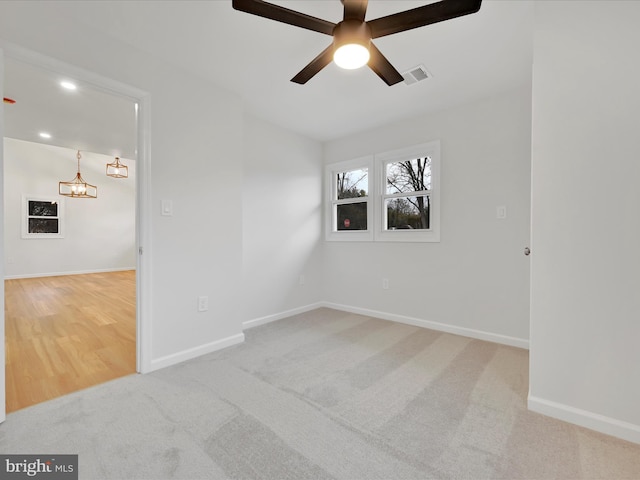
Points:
[(45, 135), (68, 85)]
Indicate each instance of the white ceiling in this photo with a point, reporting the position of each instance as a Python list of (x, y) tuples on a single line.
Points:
[(85, 119), (469, 58)]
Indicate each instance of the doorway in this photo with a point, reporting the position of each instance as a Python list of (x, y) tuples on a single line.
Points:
[(138, 103)]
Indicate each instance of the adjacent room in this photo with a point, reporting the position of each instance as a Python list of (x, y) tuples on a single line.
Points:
[(70, 254), (425, 267)]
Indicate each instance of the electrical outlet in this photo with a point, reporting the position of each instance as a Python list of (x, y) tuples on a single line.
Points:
[(385, 283), (203, 303)]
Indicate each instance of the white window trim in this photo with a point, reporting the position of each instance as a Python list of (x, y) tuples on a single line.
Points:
[(332, 170), (375, 200), (25, 216), (430, 149)]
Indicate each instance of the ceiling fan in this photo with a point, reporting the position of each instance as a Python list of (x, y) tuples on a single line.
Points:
[(352, 46)]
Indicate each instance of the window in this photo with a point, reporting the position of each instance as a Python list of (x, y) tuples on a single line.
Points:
[(406, 201), (402, 204), (350, 207), (410, 197), (42, 217)]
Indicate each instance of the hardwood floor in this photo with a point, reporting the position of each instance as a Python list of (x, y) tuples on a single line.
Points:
[(67, 333)]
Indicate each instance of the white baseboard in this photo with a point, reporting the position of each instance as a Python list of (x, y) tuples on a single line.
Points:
[(77, 272), (256, 322), (442, 327), (235, 339), (190, 353), (593, 421)]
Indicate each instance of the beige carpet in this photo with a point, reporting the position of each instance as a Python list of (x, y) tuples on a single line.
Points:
[(323, 395)]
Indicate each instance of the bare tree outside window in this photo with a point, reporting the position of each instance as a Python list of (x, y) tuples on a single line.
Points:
[(42, 217), (352, 215), (352, 184), (407, 197)]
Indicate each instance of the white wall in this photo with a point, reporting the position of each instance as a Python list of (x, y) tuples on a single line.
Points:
[(282, 218), (99, 233), (196, 161), (476, 279), (585, 307), (2, 343)]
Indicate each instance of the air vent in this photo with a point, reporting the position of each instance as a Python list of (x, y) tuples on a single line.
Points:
[(415, 75)]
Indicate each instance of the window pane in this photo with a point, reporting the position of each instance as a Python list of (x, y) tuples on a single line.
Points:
[(43, 209), (352, 216), (352, 184), (409, 176), (43, 225), (407, 213)]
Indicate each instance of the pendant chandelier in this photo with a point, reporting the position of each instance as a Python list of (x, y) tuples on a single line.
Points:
[(117, 169), (78, 188)]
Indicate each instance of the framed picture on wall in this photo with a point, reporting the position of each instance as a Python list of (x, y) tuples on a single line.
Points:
[(42, 217)]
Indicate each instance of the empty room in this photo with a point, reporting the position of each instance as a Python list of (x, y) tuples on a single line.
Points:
[(420, 265), (70, 251)]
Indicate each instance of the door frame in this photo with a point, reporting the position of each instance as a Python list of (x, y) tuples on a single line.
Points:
[(143, 195)]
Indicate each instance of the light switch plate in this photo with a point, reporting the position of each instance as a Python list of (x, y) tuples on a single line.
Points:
[(167, 208), (203, 303)]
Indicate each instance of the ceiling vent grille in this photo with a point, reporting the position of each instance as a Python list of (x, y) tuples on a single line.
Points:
[(415, 75)]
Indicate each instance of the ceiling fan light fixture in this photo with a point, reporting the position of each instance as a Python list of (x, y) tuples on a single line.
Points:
[(351, 41), (351, 56), (354, 29)]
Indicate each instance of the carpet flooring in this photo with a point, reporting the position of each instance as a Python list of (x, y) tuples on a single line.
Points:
[(323, 395)]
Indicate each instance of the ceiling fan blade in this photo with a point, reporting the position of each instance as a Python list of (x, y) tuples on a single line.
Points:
[(314, 66), (355, 9), (379, 64), (284, 15), (421, 16)]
